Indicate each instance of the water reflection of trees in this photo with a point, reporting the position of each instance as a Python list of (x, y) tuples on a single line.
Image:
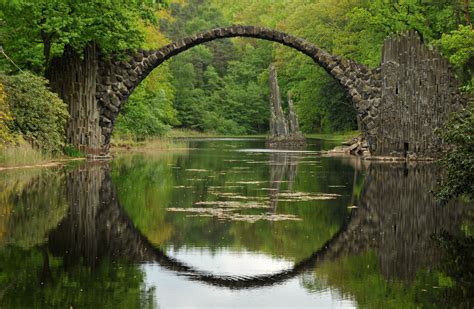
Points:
[(52, 255), (31, 203)]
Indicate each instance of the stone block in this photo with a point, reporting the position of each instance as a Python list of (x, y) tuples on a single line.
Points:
[(128, 83), (115, 100), (132, 73), (101, 88), (105, 120), (138, 56)]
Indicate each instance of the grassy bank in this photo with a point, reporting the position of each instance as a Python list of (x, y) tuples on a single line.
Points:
[(149, 144), (337, 137), (23, 155), (333, 137), (183, 133)]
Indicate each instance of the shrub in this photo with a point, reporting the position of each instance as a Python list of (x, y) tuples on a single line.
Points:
[(71, 151), (39, 115), (459, 160), (212, 122), (6, 135)]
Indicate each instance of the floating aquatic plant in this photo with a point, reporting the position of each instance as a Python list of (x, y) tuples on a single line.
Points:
[(305, 196), (229, 214)]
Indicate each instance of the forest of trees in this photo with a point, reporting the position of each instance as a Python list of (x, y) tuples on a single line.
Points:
[(222, 86)]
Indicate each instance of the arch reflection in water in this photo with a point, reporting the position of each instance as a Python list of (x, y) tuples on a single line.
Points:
[(394, 221), (97, 227)]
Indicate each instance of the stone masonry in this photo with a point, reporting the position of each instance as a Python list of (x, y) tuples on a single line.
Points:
[(399, 104), (418, 93)]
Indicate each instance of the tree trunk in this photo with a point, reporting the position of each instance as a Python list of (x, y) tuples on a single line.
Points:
[(467, 13)]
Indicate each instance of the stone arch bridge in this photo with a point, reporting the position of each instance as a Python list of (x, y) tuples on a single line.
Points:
[(96, 89)]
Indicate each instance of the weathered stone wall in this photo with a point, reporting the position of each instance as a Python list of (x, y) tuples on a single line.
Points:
[(74, 79), (418, 93), (284, 131), (278, 123), (293, 123)]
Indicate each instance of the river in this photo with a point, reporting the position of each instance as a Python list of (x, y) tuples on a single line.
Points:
[(228, 223)]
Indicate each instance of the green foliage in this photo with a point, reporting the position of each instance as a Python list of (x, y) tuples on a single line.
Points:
[(6, 136), (33, 32), (458, 46), (36, 279), (145, 115), (459, 160), (217, 84), (221, 86), (458, 254), (149, 110), (71, 151), (38, 114)]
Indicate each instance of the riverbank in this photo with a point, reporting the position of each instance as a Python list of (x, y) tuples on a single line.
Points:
[(25, 156), (337, 137), (53, 163), (357, 146), (149, 145)]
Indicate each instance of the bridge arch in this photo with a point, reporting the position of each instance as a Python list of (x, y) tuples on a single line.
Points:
[(111, 234), (117, 79)]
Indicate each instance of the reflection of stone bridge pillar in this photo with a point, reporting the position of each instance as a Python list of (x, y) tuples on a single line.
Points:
[(405, 215), (96, 226), (77, 235)]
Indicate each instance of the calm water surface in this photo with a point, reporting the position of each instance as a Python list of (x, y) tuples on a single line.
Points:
[(227, 223)]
